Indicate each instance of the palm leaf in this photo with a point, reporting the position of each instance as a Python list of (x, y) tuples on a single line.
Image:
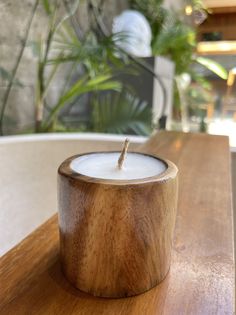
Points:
[(88, 51), (121, 113), (84, 85), (213, 66)]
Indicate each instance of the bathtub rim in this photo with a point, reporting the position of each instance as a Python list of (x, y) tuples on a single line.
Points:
[(70, 136)]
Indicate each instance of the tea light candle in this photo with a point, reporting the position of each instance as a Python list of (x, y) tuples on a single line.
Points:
[(130, 165), (116, 221)]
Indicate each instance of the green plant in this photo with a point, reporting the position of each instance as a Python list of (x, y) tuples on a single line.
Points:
[(137, 62), (92, 57), (173, 37), (177, 41), (213, 66), (154, 11), (92, 64), (121, 113), (93, 61), (100, 61)]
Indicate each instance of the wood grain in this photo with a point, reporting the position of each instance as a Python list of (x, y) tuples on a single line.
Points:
[(116, 235), (201, 279)]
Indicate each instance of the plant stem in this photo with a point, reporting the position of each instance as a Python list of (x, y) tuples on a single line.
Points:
[(46, 125), (9, 87), (40, 103), (41, 72)]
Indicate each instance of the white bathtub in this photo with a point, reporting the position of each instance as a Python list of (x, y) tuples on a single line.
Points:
[(28, 172)]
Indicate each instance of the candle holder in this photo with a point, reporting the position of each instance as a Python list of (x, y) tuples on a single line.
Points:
[(116, 235)]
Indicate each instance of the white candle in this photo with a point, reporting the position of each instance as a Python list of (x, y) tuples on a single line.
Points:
[(104, 165)]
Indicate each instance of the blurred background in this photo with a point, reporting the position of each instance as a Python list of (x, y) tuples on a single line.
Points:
[(118, 66)]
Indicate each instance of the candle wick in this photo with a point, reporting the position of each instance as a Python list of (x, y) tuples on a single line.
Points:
[(123, 154)]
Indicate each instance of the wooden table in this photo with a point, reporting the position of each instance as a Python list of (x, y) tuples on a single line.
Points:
[(201, 279)]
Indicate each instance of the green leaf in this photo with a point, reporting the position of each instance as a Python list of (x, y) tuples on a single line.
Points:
[(213, 66), (176, 40), (84, 86), (121, 113), (100, 83)]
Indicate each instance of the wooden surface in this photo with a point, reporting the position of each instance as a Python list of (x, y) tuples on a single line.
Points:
[(201, 278), (116, 235)]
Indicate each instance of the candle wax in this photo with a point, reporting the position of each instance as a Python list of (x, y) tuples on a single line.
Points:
[(104, 166)]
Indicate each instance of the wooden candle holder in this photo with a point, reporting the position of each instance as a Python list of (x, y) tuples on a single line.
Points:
[(116, 235)]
